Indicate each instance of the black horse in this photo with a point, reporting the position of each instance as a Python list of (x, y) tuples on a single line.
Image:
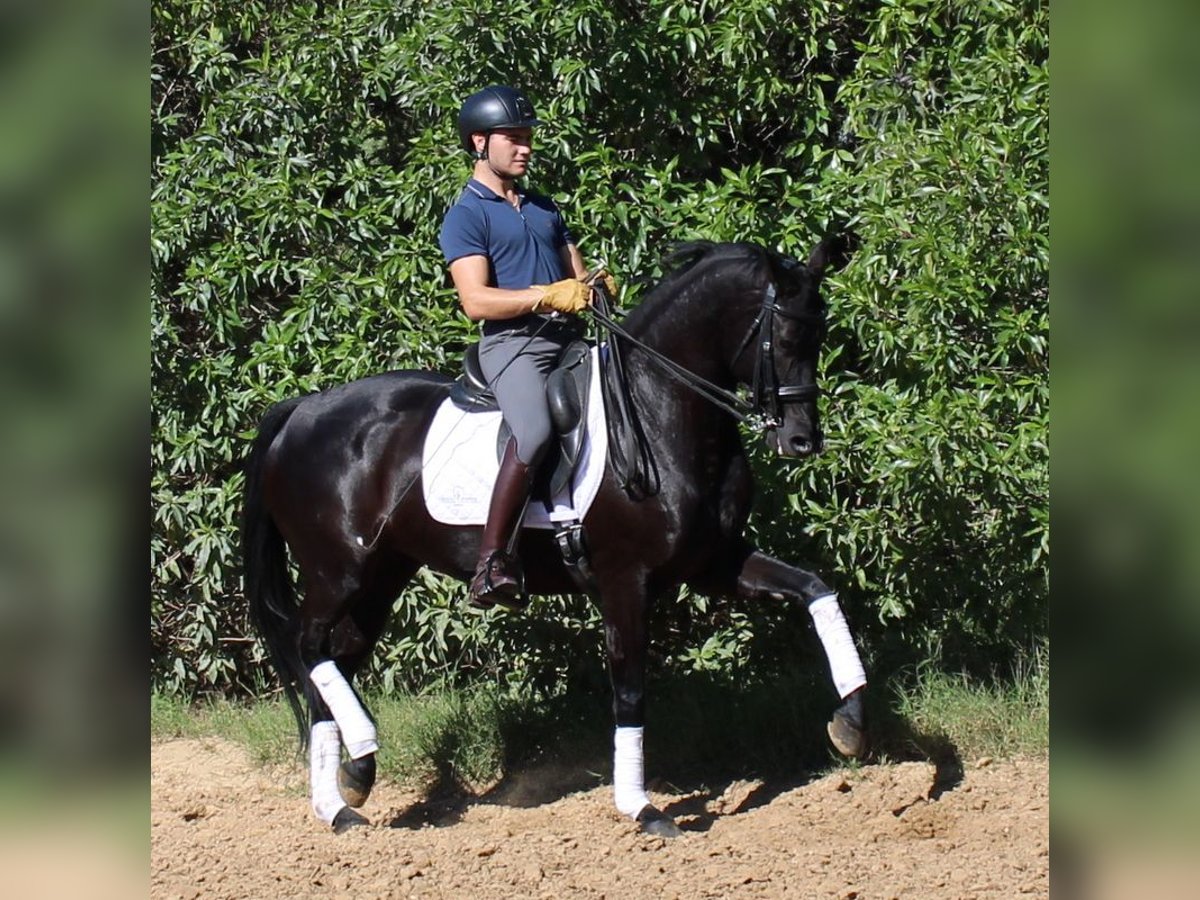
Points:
[(329, 475)]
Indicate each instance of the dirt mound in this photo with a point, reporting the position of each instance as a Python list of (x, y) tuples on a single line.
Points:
[(220, 827)]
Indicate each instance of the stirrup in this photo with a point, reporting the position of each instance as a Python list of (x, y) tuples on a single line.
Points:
[(484, 593)]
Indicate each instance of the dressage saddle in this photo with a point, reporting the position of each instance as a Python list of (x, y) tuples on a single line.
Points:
[(567, 389)]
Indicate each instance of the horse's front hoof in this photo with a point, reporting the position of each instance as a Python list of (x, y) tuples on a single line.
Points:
[(846, 739), (657, 823), (356, 777), (847, 729), (347, 819)]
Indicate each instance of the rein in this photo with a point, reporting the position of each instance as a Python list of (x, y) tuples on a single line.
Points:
[(629, 450), (718, 396), (765, 389), (631, 457)]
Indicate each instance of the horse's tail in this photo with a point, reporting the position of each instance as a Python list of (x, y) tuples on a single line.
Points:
[(267, 584)]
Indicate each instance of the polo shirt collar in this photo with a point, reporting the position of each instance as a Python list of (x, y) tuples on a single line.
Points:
[(483, 192)]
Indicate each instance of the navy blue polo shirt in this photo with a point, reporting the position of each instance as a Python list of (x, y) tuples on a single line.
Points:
[(522, 246)]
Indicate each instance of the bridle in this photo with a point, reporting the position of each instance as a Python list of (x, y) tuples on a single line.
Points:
[(764, 410), (768, 396)]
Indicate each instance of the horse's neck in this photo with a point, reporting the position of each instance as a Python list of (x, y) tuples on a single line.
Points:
[(692, 332), (695, 332)]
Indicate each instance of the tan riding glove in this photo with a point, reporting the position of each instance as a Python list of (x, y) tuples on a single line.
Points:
[(609, 283), (568, 295)]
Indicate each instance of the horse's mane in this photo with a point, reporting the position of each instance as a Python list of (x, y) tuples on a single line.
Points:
[(682, 260), (695, 263)]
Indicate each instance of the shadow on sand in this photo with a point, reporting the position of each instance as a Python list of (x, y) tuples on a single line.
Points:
[(718, 749)]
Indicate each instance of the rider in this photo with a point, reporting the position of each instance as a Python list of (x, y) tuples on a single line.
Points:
[(514, 264)]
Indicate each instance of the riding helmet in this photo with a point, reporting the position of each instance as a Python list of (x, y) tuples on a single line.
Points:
[(494, 107)]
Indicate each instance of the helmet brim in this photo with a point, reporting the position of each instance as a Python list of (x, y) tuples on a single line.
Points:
[(528, 123)]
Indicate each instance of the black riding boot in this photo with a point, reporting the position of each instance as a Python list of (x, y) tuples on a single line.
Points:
[(498, 577)]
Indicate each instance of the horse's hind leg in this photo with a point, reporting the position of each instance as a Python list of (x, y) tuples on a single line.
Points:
[(336, 637), (338, 717), (325, 753), (761, 577), (353, 640)]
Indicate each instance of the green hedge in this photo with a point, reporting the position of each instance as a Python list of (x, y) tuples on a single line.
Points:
[(303, 157)]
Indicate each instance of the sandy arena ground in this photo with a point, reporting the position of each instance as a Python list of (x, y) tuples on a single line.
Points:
[(220, 827)]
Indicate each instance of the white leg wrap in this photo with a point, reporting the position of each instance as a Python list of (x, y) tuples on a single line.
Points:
[(324, 757), (844, 664), (629, 790), (358, 731)]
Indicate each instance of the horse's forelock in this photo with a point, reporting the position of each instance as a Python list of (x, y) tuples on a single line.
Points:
[(799, 286)]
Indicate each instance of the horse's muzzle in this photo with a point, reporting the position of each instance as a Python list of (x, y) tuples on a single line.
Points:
[(803, 447), (798, 444)]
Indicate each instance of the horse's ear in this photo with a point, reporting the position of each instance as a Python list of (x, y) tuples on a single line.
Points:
[(830, 255)]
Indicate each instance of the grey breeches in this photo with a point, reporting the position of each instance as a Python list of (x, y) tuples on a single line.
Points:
[(516, 367)]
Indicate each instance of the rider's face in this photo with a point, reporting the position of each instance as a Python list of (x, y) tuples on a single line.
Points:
[(508, 150)]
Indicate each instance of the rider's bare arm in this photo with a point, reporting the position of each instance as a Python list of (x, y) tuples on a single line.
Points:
[(481, 301), (573, 262)]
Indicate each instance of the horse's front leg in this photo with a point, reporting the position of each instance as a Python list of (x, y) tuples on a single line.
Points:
[(763, 577), (626, 609)]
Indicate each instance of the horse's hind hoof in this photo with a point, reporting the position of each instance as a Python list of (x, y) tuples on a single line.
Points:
[(657, 823), (356, 777), (347, 819)]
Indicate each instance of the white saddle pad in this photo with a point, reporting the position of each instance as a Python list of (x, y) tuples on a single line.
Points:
[(459, 465)]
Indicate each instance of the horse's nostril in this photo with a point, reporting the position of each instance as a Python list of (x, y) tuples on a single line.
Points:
[(802, 445)]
